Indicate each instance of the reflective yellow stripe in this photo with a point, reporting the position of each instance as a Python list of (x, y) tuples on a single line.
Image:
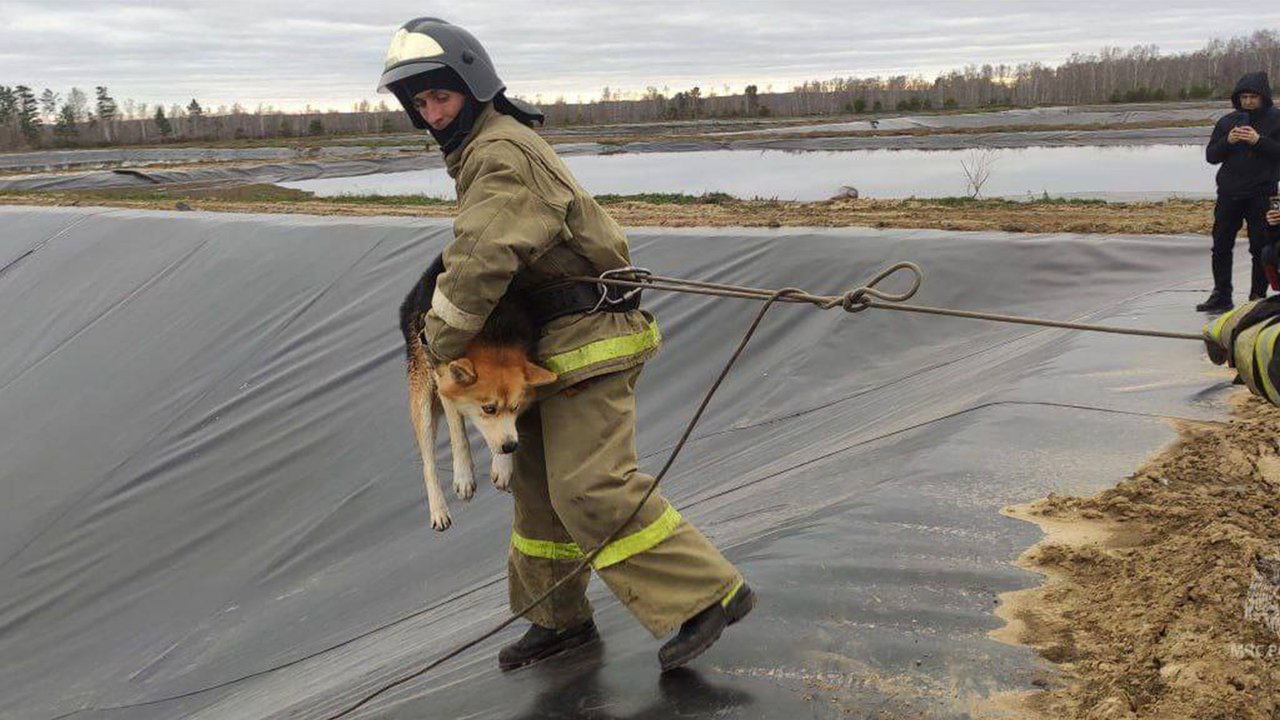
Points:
[(1244, 347), (639, 541), (613, 553), (604, 350), (1264, 361), (545, 548), (732, 591), (1213, 330)]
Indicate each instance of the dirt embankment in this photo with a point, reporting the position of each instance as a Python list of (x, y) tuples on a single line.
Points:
[(1172, 216), (1162, 597)]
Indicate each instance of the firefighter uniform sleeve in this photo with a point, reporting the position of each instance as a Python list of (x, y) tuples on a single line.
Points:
[(502, 224)]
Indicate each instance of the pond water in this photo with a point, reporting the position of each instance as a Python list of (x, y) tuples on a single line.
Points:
[(1149, 171)]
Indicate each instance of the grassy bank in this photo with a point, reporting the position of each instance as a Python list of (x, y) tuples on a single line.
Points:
[(712, 210)]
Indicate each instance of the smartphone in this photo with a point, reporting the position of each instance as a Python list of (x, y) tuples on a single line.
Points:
[(1275, 202)]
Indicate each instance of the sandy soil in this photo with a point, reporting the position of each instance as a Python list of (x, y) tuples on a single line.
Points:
[(1162, 597), (1168, 217)]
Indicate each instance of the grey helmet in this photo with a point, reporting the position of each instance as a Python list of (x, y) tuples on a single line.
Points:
[(425, 44)]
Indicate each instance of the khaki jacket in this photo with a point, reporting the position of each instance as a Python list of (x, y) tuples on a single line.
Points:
[(523, 221)]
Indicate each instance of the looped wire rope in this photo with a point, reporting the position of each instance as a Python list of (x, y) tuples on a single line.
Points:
[(855, 300)]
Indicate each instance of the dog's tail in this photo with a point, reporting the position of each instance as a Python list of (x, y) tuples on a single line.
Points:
[(415, 306)]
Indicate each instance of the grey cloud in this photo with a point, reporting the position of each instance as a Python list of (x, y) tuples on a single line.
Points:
[(329, 54)]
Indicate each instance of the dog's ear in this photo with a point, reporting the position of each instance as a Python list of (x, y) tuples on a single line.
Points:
[(463, 372), (536, 376)]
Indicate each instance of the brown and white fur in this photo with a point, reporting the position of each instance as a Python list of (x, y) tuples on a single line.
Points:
[(489, 385)]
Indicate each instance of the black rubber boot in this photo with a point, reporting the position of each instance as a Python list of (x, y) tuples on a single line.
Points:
[(702, 630), (540, 643), (1218, 302)]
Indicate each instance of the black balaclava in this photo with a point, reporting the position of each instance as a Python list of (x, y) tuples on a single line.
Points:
[(455, 134)]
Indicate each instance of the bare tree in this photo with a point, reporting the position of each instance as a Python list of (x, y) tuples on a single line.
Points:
[(79, 103), (49, 104), (977, 166)]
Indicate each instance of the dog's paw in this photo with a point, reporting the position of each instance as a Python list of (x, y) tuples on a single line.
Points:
[(440, 520), (464, 486), (501, 470)]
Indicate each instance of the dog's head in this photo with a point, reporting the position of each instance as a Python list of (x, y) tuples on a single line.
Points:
[(491, 386)]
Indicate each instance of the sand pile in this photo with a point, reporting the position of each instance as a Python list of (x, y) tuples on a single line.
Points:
[(1163, 593)]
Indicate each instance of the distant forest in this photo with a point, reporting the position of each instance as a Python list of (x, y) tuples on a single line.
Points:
[(1139, 74)]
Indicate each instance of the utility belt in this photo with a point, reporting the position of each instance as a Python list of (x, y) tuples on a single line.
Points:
[(557, 299)]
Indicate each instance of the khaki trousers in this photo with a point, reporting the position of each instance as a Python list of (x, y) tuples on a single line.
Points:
[(576, 478)]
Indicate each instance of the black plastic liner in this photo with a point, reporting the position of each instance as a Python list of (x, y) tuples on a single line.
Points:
[(101, 157), (944, 141), (220, 176), (1056, 115), (213, 504)]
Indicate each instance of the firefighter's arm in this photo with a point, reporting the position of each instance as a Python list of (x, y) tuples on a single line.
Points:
[(501, 222)]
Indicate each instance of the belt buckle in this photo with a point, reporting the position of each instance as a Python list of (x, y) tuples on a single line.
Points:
[(637, 272)]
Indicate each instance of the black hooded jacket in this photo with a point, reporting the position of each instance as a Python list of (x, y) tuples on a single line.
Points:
[(1248, 170)]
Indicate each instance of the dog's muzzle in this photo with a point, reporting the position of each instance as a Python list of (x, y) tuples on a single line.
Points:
[(509, 447)]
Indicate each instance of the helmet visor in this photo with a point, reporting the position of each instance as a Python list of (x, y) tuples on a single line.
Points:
[(409, 54), (407, 46)]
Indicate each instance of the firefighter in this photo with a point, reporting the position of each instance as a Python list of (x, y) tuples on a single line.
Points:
[(524, 224)]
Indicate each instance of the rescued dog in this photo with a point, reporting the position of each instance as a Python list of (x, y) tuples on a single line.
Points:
[(489, 386)]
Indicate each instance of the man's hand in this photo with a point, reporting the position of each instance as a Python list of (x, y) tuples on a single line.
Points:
[(1243, 133), (1273, 217)]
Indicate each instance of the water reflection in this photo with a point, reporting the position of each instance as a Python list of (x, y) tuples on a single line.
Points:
[(1058, 171)]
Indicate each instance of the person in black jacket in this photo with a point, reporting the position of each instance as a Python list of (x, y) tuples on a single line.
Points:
[(1246, 143)]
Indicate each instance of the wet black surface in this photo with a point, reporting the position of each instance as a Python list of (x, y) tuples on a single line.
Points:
[(213, 507)]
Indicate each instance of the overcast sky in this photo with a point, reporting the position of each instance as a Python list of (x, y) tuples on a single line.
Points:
[(329, 54)]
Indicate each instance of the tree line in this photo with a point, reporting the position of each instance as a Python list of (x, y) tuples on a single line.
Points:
[(28, 120), (1139, 74)]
